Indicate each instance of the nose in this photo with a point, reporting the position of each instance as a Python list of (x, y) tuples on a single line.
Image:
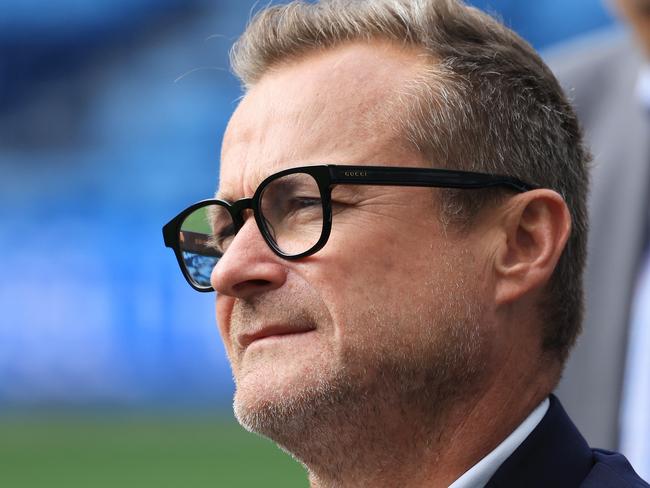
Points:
[(249, 267)]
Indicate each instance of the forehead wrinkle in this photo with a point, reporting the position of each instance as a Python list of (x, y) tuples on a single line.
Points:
[(251, 182), (243, 133)]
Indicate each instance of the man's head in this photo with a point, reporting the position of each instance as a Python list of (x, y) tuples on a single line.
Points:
[(421, 297), (637, 13)]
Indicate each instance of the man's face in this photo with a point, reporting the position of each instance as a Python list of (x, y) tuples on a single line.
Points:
[(643, 6), (390, 306), (635, 10), (637, 13)]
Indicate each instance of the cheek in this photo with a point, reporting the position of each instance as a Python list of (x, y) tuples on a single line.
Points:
[(387, 293), (365, 297), (224, 306), (381, 282)]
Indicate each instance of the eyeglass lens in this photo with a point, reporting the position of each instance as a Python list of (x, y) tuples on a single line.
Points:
[(291, 213), (204, 236)]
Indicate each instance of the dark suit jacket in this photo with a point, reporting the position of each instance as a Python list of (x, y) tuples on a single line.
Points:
[(555, 455)]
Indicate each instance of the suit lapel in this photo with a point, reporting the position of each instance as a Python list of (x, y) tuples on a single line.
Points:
[(554, 454)]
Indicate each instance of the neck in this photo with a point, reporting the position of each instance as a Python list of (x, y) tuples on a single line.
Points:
[(386, 448), (387, 453)]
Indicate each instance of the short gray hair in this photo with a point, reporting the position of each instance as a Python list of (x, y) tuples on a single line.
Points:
[(487, 102)]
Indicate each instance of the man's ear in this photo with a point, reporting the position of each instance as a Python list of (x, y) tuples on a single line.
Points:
[(534, 230)]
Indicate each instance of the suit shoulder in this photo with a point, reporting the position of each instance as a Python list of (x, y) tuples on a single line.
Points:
[(612, 469)]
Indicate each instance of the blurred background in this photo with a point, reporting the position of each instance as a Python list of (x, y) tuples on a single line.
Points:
[(111, 116)]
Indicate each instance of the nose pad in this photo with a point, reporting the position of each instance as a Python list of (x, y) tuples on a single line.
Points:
[(245, 214)]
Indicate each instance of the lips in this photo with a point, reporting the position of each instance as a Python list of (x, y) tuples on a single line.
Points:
[(248, 338)]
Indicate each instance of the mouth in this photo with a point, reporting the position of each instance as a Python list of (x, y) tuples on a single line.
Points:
[(272, 332)]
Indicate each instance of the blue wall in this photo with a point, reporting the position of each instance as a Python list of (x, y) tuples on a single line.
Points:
[(111, 114)]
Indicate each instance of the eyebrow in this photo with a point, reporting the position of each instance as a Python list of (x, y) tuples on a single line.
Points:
[(222, 196), (226, 195), (259, 176)]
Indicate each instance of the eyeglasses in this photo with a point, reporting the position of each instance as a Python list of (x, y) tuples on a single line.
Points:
[(293, 211)]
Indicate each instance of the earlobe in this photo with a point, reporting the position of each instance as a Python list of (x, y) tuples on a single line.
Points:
[(535, 229)]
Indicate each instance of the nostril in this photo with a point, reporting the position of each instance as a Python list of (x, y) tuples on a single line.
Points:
[(259, 282), (251, 284)]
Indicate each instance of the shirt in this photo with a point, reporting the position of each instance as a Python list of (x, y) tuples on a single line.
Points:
[(643, 87), (479, 474), (635, 406)]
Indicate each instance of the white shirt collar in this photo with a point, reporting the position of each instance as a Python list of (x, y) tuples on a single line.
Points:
[(643, 87), (479, 474)]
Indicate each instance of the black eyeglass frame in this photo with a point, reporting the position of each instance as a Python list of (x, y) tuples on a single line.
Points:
[(327, 176)]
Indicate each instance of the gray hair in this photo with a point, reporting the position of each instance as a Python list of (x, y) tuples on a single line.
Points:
[(486, 102)]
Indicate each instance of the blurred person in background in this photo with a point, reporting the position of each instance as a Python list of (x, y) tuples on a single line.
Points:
[(384, 333), (606, 384)]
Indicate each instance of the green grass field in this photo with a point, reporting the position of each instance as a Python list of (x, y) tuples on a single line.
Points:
[(119, 450)]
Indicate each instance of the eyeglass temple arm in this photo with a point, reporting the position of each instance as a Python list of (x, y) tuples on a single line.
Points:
[(443, 178)]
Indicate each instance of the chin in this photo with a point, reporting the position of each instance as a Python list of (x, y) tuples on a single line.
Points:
[(276, 383), (285, 407)]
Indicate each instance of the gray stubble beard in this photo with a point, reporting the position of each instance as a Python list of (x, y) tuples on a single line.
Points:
[(347, 418)]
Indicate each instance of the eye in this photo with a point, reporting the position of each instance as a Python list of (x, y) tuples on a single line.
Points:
[(221, 238), (299, 203)]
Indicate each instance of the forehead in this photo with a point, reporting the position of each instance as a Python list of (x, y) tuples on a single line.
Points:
[(331, 106)]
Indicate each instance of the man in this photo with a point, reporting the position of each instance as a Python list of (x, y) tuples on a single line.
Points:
[(383, 331), (608, 80)]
